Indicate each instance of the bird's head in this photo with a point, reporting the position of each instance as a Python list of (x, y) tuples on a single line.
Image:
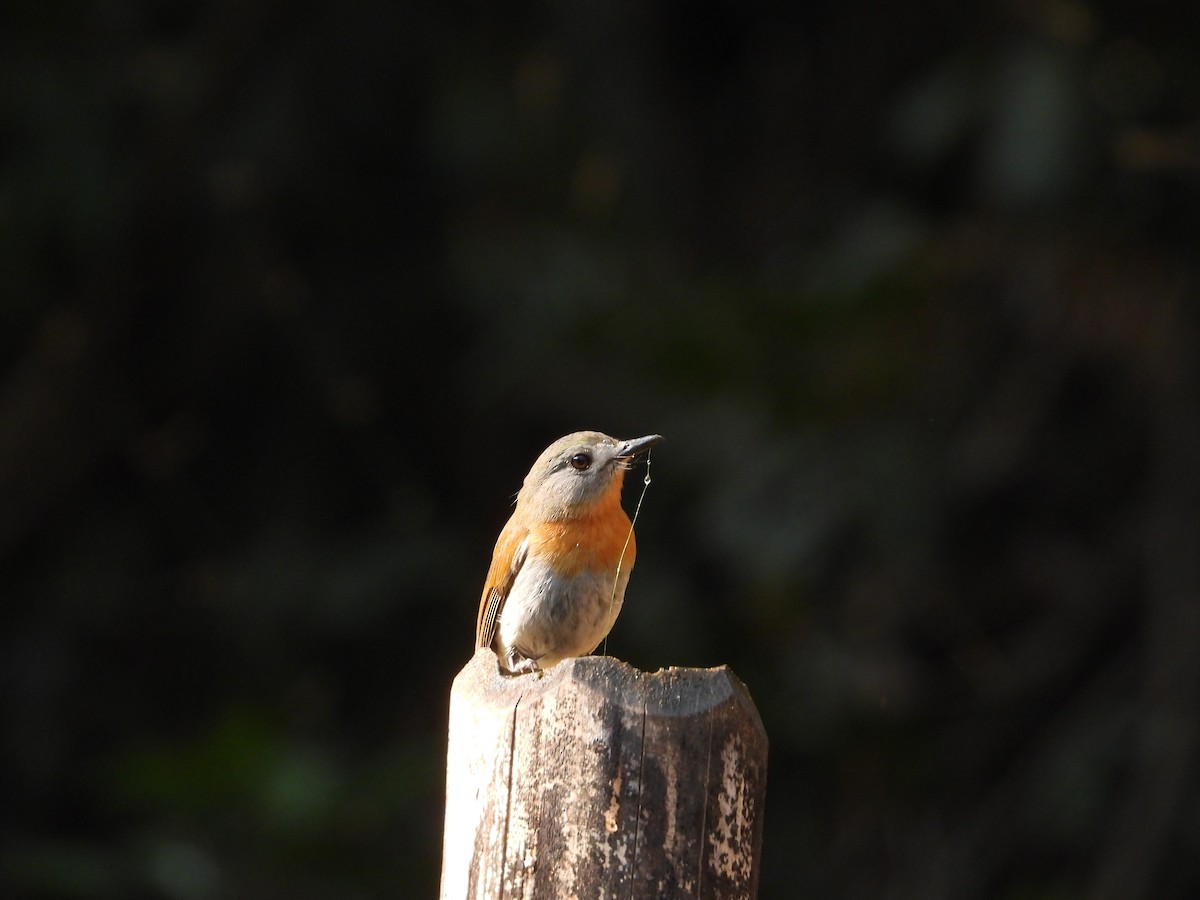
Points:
[(578, 471)]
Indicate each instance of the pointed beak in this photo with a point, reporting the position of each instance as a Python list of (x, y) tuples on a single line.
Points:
[(630, 448)]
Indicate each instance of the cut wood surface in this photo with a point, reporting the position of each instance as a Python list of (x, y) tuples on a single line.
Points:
[(597, 780)]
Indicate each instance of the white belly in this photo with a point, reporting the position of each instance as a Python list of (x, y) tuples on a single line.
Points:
[(547, 619)]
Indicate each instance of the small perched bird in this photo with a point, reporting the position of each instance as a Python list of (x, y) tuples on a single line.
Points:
[(562, 562)]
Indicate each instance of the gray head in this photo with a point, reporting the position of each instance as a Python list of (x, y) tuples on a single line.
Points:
[(580, 469)]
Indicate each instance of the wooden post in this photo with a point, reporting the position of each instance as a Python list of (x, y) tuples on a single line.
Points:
[(596, 780)]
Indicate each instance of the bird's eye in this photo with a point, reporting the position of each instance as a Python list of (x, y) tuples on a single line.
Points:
[(581, 461)]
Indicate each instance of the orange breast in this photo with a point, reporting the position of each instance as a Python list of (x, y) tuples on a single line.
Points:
[(586, 544)]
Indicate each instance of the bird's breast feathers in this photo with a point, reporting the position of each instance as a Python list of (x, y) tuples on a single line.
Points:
[(576, 547)]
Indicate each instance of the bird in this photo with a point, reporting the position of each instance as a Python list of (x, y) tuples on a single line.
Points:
[(561, 564)]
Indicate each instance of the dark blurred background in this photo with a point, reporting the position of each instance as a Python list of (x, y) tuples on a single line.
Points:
[(293, 294)]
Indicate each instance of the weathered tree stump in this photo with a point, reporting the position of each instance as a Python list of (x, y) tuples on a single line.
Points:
[(596, 780)]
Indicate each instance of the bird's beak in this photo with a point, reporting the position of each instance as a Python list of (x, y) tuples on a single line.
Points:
[(633, 447)]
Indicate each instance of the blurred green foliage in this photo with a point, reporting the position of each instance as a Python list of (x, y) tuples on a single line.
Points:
[(294, 293)]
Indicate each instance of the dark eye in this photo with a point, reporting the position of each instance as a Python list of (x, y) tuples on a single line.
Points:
[(581, 461)]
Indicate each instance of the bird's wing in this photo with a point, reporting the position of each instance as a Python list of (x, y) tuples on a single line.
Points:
[(511, 549)]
